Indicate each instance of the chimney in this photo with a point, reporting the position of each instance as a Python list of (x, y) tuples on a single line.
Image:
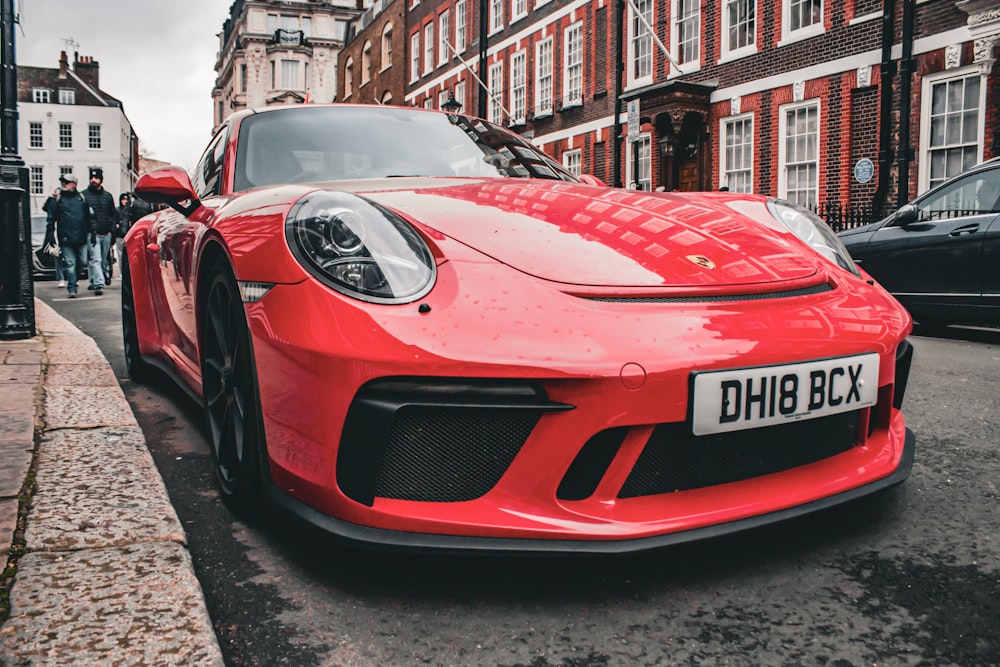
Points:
[(63, 65), (86, 68)]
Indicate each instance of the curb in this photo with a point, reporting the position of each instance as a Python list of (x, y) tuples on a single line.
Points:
[(106, 577)]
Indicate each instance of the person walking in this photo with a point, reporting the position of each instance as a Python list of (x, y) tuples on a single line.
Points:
[(124, 222), (57, 264), (105, 217), (71, 221)]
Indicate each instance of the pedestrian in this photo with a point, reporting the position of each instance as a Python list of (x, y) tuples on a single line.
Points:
[(123, 224), (71, 222), (57, 264), (105, 217)]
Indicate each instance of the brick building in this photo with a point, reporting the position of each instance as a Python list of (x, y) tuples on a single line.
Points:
[(783, 98), (367, 72)]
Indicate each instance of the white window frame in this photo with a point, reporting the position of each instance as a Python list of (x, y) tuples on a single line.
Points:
[(37, 180), (518, 87), (348, 77), (494, 112), (67, 96), (444, 34), (645, 163), (415, 56), (632, 56), (460, 93), (386, 47), (94, 136), (428, 47), (429, 102), (544, 80), (928, 82), (41, 95), (783, 165), (675, 37), (572, 62), (740, 51), (789, 36), (518, 10), (724, 167), (66, 138), (36, 135), (366, 63), (286, 82), (496, 16), (573, 161), (460, 20)]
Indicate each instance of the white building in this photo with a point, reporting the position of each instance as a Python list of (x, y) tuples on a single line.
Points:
[(67, 124)]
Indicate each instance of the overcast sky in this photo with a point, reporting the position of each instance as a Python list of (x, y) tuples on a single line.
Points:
[(157, 57)]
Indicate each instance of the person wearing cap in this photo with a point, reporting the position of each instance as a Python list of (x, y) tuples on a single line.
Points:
[(102, 204), (70, 220)]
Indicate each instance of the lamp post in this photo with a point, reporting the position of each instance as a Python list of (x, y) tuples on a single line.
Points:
[(451, 105), (17, 297)]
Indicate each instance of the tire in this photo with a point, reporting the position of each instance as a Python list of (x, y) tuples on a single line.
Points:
[(137, 369), (231, 396)]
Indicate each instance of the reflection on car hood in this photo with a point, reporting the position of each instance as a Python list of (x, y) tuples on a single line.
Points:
[(581, 235)]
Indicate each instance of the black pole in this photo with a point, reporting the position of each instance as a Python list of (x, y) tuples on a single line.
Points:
[(616, 178), (483, 75), (17, 297), (888, 72), (907, 65)]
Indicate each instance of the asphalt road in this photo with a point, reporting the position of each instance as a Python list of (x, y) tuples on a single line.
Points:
[(909, 577)]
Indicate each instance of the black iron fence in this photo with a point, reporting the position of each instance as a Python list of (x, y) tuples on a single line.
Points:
[(841, 216)]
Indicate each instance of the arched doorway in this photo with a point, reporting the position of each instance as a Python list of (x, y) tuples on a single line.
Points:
[(681, 145)]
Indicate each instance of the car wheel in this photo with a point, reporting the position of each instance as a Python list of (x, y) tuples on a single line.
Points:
[(230, 393), (137, 369)]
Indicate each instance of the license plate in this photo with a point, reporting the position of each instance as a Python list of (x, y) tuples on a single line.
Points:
[(742, 398)]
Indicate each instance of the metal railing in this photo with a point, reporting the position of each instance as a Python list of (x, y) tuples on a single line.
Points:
[(850, 215)]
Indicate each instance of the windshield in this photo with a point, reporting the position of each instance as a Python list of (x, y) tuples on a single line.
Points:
[(302, 144)]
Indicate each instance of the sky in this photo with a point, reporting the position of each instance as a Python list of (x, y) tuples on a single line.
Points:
[(156, 56)]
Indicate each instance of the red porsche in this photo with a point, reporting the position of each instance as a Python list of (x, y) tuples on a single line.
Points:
[(414, 329)]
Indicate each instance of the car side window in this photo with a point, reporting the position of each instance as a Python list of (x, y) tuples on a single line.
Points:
[(973, 195), (207, 179)]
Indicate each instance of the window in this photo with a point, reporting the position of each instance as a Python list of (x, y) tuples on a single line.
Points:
[(444, 34), (739, 25), (518, 87), (65, 135), (306, 27), (35, 135), (349, 78), (37, 180), (518, 9), (64, 169), (94, 136), (243, 78), (495, 111), (643, 181), (640, 44), (273, 70), (414, 56), (41, 95), (366, 63), (975, 194), (687, 19), (67, 96), (496, 15), (460, 26), (736, 168), (428, 48), (802, 18), (573, 66), (442, 97), (460, 93), (571, 160), (429, 102), (290, 75), (386, 47), (952, 125), (207, 175), (798, 154), (543, 78), (339, 30)]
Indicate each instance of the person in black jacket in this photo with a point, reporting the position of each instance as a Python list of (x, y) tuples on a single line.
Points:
[(105, 217), (56, 265), (70, 220)]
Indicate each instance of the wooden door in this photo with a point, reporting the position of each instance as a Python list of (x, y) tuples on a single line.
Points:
[(688, 177)]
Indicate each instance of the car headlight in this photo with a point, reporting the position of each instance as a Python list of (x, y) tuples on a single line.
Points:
[(359, 248), (811, 229)]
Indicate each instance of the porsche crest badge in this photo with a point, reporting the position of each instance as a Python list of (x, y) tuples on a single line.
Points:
[(702, 261)]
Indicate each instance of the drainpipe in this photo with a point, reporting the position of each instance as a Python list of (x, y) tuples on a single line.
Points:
[(906, 68), (616, 178), (888, 72), (483, 29)]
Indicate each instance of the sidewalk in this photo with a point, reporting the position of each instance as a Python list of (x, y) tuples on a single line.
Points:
[(106, 577)]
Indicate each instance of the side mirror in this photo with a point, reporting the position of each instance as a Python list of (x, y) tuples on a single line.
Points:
[(907, 214), (170, 186), (592, 180)]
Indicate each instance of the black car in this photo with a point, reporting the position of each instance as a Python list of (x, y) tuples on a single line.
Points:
[(940, 254)]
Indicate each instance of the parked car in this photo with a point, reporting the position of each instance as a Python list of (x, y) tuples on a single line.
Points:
[(940, 254), (414, 329)]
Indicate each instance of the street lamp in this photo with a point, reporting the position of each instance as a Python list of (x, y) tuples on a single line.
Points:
[(17, 296), (451, 105)]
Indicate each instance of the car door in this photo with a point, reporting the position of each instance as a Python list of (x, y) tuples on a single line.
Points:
[(937, 258), (991, 266)]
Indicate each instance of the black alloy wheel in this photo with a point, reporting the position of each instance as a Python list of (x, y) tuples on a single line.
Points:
[(230, 393), (137, 369)]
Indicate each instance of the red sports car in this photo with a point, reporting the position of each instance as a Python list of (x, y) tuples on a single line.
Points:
[(414, 329)]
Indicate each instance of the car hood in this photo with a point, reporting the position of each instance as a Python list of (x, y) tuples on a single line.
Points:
[(591, 236)]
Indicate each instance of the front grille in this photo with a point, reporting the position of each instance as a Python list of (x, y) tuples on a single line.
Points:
[(716, 298), (449, 454), (676, 460)]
